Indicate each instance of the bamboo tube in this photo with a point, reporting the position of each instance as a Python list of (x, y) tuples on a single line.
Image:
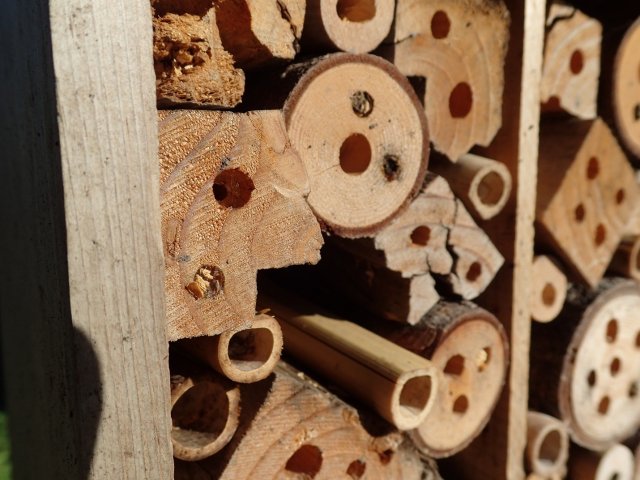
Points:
[(456, 49), (616, 463), (355, 26), (626, 259), (571, 64), (585, 365), (484, 185), (192, 67), (360, 131), (588, 196), (291, 427), (243, 355), (204, 409), (547, 449), (398, 384), (620, 85), (227, 179), (549, 289), (468, 345)]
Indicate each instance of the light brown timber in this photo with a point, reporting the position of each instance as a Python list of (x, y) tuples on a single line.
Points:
[(482, 184), (547, 446), (571, 65), (192, 67), (549, 288), (232, 202), (354, 26), (587, 198), (291, 427), (459, 47)]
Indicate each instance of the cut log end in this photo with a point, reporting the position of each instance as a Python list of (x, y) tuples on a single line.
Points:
[(548, 289), (204, 412), (599, 390), (571, 65), (547, 449), (362, 135), (354, 26), (250, 354)]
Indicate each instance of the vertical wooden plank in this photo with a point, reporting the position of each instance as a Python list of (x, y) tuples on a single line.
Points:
[(498, 452), (82, 307)]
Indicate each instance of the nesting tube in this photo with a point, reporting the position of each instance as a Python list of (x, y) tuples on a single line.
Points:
[(547, 445)]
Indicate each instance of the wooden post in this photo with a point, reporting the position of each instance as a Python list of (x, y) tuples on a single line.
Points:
[(82, 292)]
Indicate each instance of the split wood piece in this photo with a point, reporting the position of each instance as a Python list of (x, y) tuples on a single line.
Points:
[(260, 32), (616, 463), (232, 202), (204, 409), (375, 288), (192, 67), (361, 132), (398, 384), (547, 446), (469, 346), (549, 289), (458, 48), (585, 366), (436, 234), (620, 85), (243, 355), (571, 65), (484, 185), (588, 195), (355, 26), (291, 427), (626, 259)]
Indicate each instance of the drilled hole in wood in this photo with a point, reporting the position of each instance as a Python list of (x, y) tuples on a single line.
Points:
[(355, 154), (415, 394), (620, 196), (460, 100), (603, 405), (579, 213), (601, 235), (636, 112), (386, 456), (615, 476), (612, 330), (307, 460), (356, 10), (548, 294), (483, 358), (207, 282), (593, 168), (592, 378), (440, 24), (490, 188), (455, 365), (362, 103), (638, 340), (550, 447), (420, 235), (461, 404), (638, 259), (391, 167), (474, 272), (633, 390), (204, 409), (250, 349), (576, 63), (615, 366), (356, 469), (233, 188)]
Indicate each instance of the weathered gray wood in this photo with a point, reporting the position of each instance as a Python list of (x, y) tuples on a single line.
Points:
[(82, 307)]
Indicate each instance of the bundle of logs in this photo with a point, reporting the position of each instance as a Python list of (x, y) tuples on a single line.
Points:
[(324, 195), (585, 346)]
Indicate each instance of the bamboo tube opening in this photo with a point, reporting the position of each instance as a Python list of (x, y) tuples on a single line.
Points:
[(204, 417), (356, 10), (415, 395), (250, 354), (355, 154), (306, 460), (547, 445), (491, 188), (440, 25), (549, 450)]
